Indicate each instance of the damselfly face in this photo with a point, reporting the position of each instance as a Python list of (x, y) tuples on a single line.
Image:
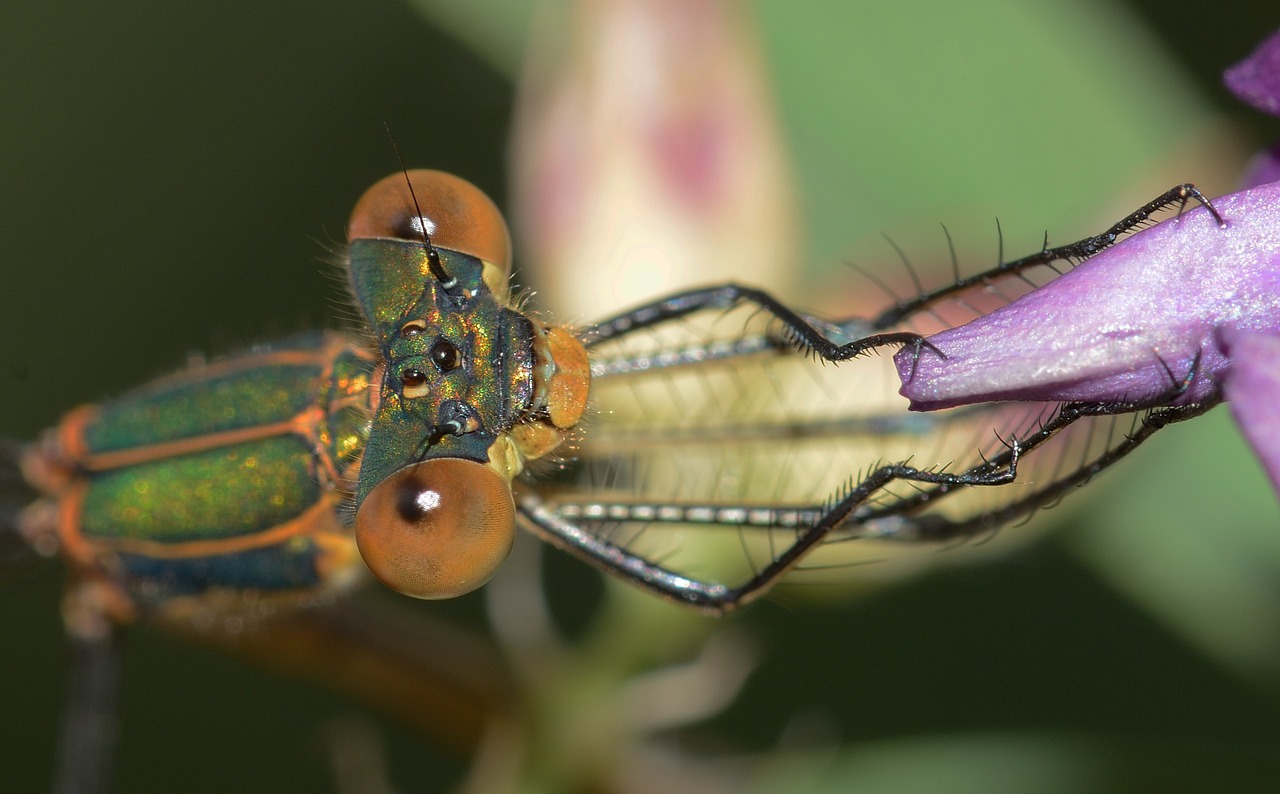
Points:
[(465, 391)]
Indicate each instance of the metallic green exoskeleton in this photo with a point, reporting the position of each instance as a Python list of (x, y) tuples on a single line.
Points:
[(221, 479)]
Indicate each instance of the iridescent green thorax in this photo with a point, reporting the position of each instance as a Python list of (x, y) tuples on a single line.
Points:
[(180, 407), (226, 476), (411, 314)]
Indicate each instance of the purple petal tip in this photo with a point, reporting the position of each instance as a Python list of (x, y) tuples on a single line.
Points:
[(1264, 168), (1256, 79), (1251, 386)]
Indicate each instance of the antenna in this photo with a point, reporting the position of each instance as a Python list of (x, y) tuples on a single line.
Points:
[(433, 258)]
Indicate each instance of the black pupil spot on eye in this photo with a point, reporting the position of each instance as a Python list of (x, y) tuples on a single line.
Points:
[(408, 227), (413, 501), (411, 330), (412, 378), (445, 356)]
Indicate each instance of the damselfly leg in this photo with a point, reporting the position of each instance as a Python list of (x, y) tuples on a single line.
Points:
[(1180, 195), (727, 397), (782, 463)]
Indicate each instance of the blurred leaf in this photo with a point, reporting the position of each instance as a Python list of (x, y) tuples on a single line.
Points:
[(1017, 762), (927, 113), (494, 29), (1193, 534)]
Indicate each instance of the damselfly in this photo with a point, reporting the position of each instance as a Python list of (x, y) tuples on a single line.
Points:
[(160, 328), (249, 473), (241, 486)]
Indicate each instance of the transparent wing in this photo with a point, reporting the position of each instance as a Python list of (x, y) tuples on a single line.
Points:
[(717, 443)]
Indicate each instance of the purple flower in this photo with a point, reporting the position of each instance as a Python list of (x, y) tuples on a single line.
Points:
[(1114, 328), (1263, 168), (1184, 312), (1256, 79)]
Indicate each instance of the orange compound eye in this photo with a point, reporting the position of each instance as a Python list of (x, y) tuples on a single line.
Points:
[(460, 217), (437, 529)]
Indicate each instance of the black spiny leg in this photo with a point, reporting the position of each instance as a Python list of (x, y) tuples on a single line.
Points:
[(797, 329), (1083, 249), (717, 598), (932, 527)]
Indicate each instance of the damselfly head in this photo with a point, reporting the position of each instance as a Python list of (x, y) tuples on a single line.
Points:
[(428, 263)]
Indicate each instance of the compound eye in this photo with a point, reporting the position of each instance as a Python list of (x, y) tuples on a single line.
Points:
[(456, 215), (437, 529)]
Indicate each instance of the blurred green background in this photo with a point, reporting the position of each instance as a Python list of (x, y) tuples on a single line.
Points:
[(176, 178)]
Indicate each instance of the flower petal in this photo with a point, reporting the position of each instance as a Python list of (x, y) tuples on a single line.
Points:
[(1263, 168), (645, 144), (1256, 79), (1251, 386)]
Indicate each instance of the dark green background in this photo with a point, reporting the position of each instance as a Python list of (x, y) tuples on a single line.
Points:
[(176, 179)]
